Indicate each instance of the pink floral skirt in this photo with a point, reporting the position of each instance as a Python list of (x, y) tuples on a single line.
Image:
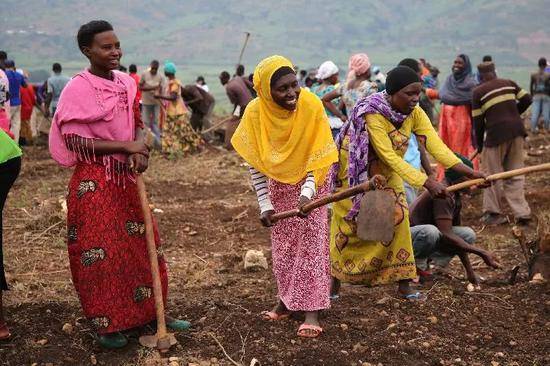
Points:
[(300, 251)]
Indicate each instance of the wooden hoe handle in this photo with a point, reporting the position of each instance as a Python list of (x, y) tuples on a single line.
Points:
[(375, 182), (503, 175)]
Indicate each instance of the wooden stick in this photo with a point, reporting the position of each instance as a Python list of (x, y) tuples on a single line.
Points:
[(153, 259), (474, 155), (217, 125), (375, 182), (503, 175)]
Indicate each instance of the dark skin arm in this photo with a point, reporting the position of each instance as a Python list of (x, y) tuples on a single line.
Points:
[(327, 98), (437, 189), (173, 96), (265, 217), (532, 85), (454, 244), (426, 165), (105, 147)]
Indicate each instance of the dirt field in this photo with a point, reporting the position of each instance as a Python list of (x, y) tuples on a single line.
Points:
[(208, 221)]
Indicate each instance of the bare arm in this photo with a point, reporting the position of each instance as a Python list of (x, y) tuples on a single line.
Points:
[(173, 96), (454, 244), (426, 165), (327, 102)]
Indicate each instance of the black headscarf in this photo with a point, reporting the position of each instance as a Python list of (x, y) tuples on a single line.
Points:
[(400, 77)]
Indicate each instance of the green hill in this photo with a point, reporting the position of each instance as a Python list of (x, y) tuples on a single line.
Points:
[(206, 35)]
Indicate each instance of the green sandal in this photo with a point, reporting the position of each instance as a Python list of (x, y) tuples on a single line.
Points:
[(177, 325), (113, 340)]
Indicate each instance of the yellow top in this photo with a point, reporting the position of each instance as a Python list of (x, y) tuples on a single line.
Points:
[(391, 145), (175, 107), (285, 145)]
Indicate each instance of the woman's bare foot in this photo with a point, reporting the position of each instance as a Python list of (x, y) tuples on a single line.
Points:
[(279, 311), (4, 330)]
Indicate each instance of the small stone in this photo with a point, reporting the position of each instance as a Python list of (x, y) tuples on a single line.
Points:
[(174, 363), (67, 328), (513, 343), (384, 313), (391, 326), (458, 360), (255, 259), (170, 359), (192, 233), (426, 344), (470, 287), (344, 327), (344, 352), (93, 360), (214, 360), (537, 278), (42, 342), (433, 319), (499, 354), (293, 341), (494, 363), (367, 364)]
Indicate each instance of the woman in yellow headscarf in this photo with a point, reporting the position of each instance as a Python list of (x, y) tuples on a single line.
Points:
[(285, 137)]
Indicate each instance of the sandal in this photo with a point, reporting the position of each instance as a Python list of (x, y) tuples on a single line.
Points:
[(272, 316), (177, 325), (315, 331), (113, 340), (415, 296), (4, 329)]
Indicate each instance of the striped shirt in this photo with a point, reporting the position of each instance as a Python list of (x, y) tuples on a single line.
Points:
[(261, 186), (496, 108)]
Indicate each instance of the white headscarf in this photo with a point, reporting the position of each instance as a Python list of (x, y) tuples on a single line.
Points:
[(326, 70)]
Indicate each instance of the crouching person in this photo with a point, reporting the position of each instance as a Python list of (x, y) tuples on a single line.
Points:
[(437, 233)]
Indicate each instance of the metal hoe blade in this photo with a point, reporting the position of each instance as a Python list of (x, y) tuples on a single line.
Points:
[(375, 221), (153, 341)]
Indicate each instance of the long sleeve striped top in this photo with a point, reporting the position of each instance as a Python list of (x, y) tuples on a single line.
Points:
[(260, 183)]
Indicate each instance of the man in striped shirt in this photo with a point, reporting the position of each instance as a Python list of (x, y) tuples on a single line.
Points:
[(500, 133)]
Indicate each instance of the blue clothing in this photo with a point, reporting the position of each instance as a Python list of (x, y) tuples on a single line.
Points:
[(16, 82), (412, 156), (321, 90), (426, 240)]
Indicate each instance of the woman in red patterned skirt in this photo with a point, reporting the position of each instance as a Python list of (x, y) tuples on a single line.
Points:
[(96, 129)]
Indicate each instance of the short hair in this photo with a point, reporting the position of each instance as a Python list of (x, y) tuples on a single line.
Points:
[(3, 55), (487, 58), (200, 78), (240, 70), (411, 63), (56, 67), (542, 62), (87, 32), (155, 63), (132, 68), (303, 72), (224, 75)]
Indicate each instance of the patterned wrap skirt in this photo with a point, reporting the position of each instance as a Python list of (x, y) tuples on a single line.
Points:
[(108, 251), (300, 251)]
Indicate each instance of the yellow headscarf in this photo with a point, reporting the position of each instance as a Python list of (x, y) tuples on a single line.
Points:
[(285, 145)]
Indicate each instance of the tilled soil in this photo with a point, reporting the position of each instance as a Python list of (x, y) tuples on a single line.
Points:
[(208, 220)]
